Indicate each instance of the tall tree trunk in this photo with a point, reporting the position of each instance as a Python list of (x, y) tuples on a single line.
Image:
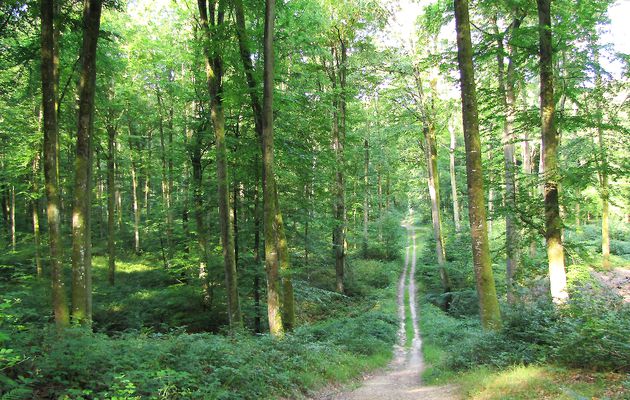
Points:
[(35, 216), (81, 241), (136, 208), (12, 216), (488, 302), (50, 74), (427, 110), (199, 209), (214, 72), (272, 263), (456, 217), (338, 139), (603, 167), (111, 205), (508, 100), (366, 195), (258, 111), (433, 183), (549, 157), (166, 194), (257, 310)]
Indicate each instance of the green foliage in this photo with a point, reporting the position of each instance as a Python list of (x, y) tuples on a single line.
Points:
[(589, 332), (193, 366)]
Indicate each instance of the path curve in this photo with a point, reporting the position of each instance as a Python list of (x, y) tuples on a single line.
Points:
[(401, 379)]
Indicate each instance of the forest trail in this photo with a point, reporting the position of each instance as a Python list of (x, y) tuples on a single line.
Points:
[(401, 379)]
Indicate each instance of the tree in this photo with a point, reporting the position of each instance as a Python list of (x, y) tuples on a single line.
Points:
[(488, 302), (269, 204), (81, 235), (549, 156), (50, 79), (214, 73)]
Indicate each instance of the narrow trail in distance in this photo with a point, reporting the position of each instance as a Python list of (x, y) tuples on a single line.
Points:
[(401, 379)]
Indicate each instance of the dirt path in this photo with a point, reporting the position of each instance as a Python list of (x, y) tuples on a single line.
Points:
[(401, 379)]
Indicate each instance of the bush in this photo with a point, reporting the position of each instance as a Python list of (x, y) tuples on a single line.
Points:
[(193, 366), (590, 331)]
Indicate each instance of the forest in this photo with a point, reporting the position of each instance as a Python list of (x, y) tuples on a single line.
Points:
[(314, 199)]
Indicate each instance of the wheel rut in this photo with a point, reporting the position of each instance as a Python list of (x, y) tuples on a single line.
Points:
[(401, 379)]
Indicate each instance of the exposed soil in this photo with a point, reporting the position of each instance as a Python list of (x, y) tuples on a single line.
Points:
[(401, 379), (618, 280)]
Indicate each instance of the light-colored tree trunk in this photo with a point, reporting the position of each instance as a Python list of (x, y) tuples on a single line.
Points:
[(603, 167), (508, 100), (488, 302), (166, 193), (12, 216), (35, 216), (50, 76), (456, 217), (272, 264), (549, 158)]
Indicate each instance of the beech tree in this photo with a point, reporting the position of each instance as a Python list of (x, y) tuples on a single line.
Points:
[(488, 302)]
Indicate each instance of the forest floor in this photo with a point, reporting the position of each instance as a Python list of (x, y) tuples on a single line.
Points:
[(401, 379)]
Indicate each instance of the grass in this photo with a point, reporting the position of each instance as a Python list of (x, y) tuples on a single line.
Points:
[(540, 383)]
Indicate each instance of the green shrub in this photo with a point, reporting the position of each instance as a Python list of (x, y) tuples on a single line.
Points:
[(193, 366)]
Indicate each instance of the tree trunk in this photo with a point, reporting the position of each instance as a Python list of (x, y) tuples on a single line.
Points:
[(269, 204), (257, 311), (81, 242), (214, 71), (12, 216), (338, 138), (258, 112), (202, 238), (111, 221), (508, 100), (166, 194), (549, 158), (433, 183), (50, 75), (366, 195), (488, 302), (135, 206), (603, 167), (456, 217), (35, 217)]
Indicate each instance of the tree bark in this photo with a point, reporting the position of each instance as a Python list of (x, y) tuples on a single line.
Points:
[(508, 103), (12, 216), (35, 217), (366, 195), (214, 72), (166, 192), (603, 167), (134, 193), (338, 138), (456, 217), (111, 204), (50, 74), (549, 158), (488, 302), (257, 311), (81, 241), (269, 204), (258, 111)]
